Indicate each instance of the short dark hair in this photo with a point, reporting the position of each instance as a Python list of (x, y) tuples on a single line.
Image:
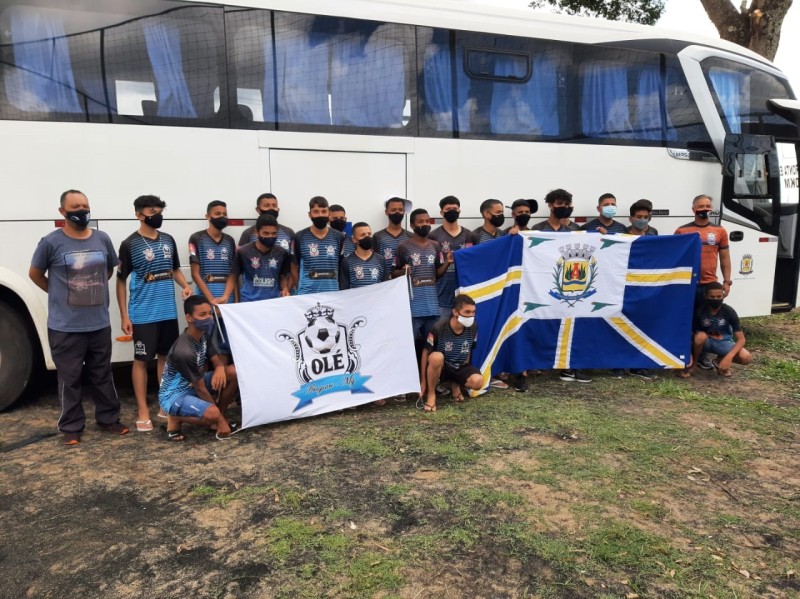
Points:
[(462, 299), (148, 201), (606, 196), (337, 208), (449, 200), (713, 286), (317, 201), (214, 204), (358, 225), (415, 213), (641, 205), (265, 196), (487, 204), (394, 199), (66, 193), (558, 194), (266, 220), (191, 302)]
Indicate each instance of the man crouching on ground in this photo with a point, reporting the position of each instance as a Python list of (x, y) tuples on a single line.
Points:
[(188, 385), (447, 351)]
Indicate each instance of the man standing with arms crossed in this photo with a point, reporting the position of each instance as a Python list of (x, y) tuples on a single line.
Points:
[(73, 265)]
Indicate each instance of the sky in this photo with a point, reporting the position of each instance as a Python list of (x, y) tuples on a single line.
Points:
[(689, 15)]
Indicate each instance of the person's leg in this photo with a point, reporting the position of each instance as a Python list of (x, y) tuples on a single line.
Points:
[(139, 380), (145, 347), (744, 357), (231, 388), (193, 410), (98, 369), (432, 374), (68, 350), (474, 382), (698, 346)]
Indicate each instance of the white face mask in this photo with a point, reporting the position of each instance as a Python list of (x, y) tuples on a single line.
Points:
[(467, 321)]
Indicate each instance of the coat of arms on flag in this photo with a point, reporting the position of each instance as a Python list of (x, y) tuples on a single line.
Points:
[(581, 300)]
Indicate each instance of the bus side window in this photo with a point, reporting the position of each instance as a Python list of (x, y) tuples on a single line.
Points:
[(442, 112)]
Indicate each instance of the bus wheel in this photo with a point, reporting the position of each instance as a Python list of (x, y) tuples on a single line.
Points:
[(16, 356)]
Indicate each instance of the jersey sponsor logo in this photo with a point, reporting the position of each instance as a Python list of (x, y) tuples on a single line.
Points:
[(746, 265), (575, 273), (152, 277), (263, 281), (255, 262), (313, 250), (359, 272)]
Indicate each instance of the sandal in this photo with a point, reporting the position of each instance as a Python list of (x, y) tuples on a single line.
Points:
[(226, 437), (144, 426), (457, 395), (176, 436), (429, 407)]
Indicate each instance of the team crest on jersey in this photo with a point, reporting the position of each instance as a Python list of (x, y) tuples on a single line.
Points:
[(223, 254), (210, 253), (273, 263), (255, 262), (388, 254), (326, 357), (711, 239), (167, 251), (313, 250), (374, 274), (448, 346), (445, 246), (330, 250), (574, 274), (284, 243), (431, 259), (746, 265), (416, 260), (465, 347), (359, 271), (149, 254)]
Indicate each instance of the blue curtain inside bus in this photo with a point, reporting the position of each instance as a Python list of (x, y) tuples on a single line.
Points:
[(164, 50), (43, 80), (529, 108), (649, 98), (728, 87), (604, 101)]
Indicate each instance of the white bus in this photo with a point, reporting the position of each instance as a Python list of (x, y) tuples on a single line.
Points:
[(360, 100)]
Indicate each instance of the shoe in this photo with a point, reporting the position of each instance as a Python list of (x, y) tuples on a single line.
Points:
[(574, 375), (72, 439), (116, 427), (498, 384), (726, 373), (400, 398), (642, 373), (705, 362), (617, 373), (521, 383)]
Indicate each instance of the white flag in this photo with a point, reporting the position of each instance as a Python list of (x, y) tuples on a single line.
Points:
[(311, 354)]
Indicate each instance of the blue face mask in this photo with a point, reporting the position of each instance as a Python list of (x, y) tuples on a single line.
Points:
[(206, 325), (609, 211), (640, 223)]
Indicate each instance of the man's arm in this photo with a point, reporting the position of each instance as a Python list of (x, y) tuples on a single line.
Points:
[(39, 277), (197, 278), (725, 363), (180, 280), (445, 264), (725, 266), (122, 302), (218, 380)]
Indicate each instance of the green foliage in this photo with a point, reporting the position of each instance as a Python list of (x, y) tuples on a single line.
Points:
[(646, 12)]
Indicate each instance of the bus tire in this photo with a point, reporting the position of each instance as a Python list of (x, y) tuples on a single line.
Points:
[(17, 360)]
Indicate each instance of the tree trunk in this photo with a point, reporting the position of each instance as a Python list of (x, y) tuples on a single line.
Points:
[(757, 27)]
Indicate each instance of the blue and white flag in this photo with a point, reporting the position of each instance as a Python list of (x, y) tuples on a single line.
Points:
[(311, 354), (581, 300)]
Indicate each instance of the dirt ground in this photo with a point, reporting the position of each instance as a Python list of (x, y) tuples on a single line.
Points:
[(122, 516)]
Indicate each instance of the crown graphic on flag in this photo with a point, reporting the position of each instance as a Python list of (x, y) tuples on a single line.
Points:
[(319, 311), (576, 251)]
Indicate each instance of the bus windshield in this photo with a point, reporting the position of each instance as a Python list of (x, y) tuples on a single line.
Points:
[(741, 95)]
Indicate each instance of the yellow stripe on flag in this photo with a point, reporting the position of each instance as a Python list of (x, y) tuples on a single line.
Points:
[(645, 344), (484, 291), (659, 277), (509, 328), (564, 343)]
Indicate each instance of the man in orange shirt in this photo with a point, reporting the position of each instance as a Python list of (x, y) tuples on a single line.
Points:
[(715, 248)]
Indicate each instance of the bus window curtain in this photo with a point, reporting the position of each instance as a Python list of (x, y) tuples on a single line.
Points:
[(438, 82), (727, 85), (604, 102), (525, 108), (648, 123), (368, 79), (302, 60), (43, 80), (164, 50)]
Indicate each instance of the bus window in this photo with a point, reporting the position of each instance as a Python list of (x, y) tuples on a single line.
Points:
[(685, 124)]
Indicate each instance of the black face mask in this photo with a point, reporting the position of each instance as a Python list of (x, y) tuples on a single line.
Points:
[(451, 216), (422, 231), (714, 303), (562, 211), (154, 221), (268, 241), (497, 220), (339, 224), (271, 212), (365, 243), (220, 222), (522, 220), (702, 213), (79, 218), (320, 221), (396, 218)]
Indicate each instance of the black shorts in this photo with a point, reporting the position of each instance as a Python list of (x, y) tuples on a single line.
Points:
[(458, 375), (153, 338)]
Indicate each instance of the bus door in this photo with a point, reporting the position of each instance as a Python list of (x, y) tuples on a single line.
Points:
[(764, 212)]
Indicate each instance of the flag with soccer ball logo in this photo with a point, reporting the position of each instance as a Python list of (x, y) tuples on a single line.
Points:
[(311, 354)]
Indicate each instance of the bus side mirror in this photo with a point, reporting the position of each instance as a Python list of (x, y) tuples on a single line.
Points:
[(736, 236)]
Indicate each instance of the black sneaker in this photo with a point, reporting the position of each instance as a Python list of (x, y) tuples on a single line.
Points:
[(521, 383), (642, 373), (574, 375), (705, 362)]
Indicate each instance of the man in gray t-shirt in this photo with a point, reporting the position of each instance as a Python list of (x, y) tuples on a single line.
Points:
[(72, 265)]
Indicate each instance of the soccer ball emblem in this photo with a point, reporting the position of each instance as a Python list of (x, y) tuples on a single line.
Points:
[(322, 335)]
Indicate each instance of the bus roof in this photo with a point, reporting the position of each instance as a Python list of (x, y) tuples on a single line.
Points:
[(468, 15)]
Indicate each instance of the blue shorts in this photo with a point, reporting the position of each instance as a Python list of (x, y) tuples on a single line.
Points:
[(720, 347), (189, 405)]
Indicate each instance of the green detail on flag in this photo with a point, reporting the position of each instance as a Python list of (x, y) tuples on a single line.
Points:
[(599, 305), (537, 240), (609, 243), (531, 306)]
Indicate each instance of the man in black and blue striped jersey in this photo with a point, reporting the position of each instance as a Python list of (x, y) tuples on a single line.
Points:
[(211, 255), (338, 220), (150, 258), (317, 250), (363, 267), (267, 203)]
